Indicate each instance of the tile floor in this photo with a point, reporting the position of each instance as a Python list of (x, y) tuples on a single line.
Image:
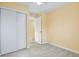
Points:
[(44, 50)]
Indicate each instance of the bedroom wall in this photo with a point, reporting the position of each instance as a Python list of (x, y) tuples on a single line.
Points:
[(63, 26)]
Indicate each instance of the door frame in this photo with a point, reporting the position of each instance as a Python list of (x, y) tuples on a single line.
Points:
[(41, 27)]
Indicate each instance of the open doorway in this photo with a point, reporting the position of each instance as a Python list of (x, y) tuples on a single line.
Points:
[(38, 30), (35, 28)]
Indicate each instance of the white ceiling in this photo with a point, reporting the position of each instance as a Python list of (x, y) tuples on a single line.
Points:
[(45, 7)]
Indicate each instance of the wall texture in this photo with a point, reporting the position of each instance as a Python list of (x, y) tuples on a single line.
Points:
[(31, 31), (63, 26), (14, 5)]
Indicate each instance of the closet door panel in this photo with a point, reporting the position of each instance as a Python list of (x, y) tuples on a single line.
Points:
[(8, 30), (21, 31), (11, 30), (3, 31)]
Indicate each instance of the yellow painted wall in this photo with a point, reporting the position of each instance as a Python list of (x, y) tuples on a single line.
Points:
[(31, 31), (63, 26), (15, 5)]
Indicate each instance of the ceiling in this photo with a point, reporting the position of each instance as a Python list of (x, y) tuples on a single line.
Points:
[(45, 7)]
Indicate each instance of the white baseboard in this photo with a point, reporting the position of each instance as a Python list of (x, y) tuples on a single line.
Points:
[(44, 41), (68, 49), (28, 46)]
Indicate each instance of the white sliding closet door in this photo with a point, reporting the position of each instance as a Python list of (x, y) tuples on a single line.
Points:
[(8, 31), (0, 32), (11, 31), (21, 30), (3, 31)]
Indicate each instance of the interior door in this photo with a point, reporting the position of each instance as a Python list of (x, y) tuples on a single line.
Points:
[(8, 31), (21, 30), (38, 33)]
